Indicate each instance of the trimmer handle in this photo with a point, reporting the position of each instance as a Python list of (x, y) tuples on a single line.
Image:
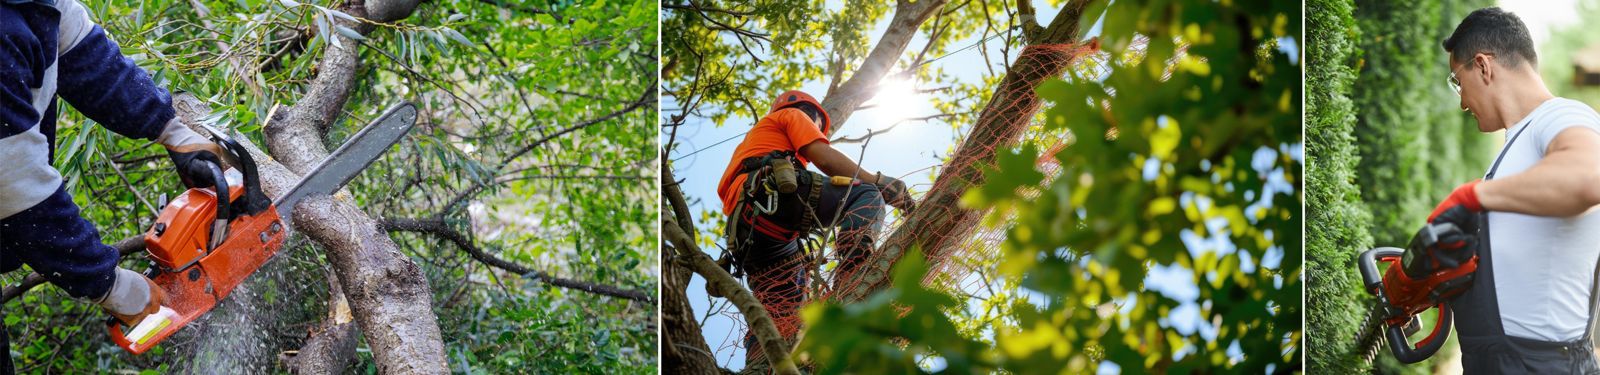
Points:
[(1371, 277), (1406, 353)]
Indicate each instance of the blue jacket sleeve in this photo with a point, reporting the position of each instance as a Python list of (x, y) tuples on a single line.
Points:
[(21, 64), (108, 88)]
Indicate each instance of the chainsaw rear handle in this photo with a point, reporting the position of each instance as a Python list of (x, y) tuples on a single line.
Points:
[(1406, 353), (219, 181), (254, 200)]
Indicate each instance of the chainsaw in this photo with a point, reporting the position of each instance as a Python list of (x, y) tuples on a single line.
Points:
[(1411, 285), (207, 241)]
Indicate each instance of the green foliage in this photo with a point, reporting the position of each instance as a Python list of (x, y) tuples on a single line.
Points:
[(1208, 151), (1336, 228), (490, 80), (867, 337)]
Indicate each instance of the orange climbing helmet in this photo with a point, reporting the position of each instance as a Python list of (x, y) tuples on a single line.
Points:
[(792, 97)]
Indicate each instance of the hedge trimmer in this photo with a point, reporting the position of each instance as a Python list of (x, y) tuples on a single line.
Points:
[(1428, 275)]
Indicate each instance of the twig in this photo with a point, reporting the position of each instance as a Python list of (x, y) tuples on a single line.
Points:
[(438, 228)]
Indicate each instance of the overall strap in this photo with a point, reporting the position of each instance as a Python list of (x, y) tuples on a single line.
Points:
[(1477, 311), (1507, 148)]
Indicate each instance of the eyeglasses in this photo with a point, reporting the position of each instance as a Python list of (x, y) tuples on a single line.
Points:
[(1455, 84)]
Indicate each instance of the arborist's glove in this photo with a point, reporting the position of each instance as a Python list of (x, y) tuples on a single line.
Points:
[(189, 151), (895, 193), (1464, 196), (132, 297)]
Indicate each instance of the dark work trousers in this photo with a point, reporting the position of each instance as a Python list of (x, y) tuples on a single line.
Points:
[(775, 266)]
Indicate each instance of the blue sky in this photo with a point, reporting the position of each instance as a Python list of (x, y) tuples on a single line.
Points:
[(907, 151)]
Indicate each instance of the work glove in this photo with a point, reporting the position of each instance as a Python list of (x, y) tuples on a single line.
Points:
[(895, 193), (1465, 196), (189, 152), (132, 297), (1450, 241)]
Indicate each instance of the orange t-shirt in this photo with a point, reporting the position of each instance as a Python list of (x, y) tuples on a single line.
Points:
[(787, 129)]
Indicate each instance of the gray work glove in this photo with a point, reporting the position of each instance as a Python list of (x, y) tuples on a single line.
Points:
[(895, 194), (189, 152)]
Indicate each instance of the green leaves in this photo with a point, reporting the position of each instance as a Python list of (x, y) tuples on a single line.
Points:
[(892, 332)]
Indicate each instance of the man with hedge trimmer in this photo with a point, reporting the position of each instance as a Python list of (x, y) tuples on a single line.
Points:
[(1528, 222)]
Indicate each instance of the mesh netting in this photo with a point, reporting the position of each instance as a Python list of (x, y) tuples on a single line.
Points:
[(949, 236)]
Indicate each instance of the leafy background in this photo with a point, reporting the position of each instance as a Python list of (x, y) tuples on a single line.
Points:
[(489, 77)]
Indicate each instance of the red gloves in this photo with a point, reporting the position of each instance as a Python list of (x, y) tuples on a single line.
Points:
[(1464, 196)]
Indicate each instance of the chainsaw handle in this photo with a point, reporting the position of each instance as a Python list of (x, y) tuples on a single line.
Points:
[(254, 199), (1408, 354), (220, 182), (1371, 277)]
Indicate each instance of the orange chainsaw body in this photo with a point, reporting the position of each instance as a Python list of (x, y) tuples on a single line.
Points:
[(194, 274)]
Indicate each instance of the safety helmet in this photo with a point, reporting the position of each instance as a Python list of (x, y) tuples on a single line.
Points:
[(792, 97)]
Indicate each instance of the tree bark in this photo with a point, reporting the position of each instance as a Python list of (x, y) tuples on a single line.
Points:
[(935, 231), (330, 348), (388, 294), (863, 84)]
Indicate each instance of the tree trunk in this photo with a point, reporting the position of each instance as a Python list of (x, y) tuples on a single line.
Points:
[(388, 294), (685, 349)]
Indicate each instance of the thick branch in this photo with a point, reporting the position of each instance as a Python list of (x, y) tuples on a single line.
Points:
[(438, 228), (330, 348), (683, 349), (863, 84), (388, 294)]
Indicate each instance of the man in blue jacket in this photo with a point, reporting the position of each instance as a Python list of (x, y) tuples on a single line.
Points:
[(51, 48)]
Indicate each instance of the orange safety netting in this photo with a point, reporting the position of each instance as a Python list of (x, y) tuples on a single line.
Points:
[(950, 236)]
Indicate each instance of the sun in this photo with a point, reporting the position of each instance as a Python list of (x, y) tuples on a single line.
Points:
[(896, 98)]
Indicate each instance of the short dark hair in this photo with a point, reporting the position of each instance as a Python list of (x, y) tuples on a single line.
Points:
[(1494, 31)]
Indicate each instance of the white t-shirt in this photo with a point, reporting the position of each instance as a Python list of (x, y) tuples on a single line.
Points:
[(1544, 267)]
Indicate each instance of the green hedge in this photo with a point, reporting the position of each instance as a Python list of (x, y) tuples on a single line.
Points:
[(1336, 222), (1386, 140)]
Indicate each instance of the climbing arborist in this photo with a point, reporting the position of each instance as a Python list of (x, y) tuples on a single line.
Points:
[(774, 203), (51, 48), (1533, 296)]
